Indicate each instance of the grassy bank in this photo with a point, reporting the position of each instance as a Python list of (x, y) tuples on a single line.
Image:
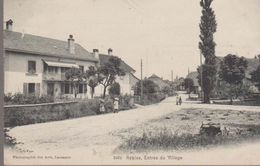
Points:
[(181, 130)]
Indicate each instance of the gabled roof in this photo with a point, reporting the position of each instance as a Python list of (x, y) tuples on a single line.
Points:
[(154, 77), (158, 81), (105, 58), (26, 43)]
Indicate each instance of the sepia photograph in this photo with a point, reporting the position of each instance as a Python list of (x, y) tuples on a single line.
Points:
[(131, 82)]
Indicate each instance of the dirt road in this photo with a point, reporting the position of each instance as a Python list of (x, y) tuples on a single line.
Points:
[(79, 140)]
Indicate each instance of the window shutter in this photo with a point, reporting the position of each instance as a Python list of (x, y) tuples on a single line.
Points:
[(37, 89), (62, 89), (25, 89), (85, 88)]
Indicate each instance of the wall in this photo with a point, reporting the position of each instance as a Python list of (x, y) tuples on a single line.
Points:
[(38, 113), (124, 84), (16, 66)]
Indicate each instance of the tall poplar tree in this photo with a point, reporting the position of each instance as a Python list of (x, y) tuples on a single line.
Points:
[(208, 27)]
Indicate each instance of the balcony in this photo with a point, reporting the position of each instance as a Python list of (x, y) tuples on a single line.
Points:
[(54, 76)]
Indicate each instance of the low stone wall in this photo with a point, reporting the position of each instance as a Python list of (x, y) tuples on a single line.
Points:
[(15, 115)]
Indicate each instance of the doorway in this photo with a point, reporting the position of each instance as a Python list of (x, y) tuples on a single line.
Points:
[(50, 89)]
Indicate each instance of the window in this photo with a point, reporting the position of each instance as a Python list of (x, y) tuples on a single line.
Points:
[(64, 69), (31, 67), (81, 68), (81, 87), (31, 88), (67, 89), (52, 69)]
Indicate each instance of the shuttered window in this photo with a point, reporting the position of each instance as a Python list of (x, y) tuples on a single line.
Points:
[(25, 89), (31, 88), (81, 88), (67, 89), (37, 89), (31, 67)]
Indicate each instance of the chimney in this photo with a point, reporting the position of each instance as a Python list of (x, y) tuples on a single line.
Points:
[(71, 44), (9, 25), (110, 51), (96, 53)]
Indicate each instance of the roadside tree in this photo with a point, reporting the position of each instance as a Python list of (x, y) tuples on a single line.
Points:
[(189, 85), (107, 73), (75, 76), (208, 27), (255, 77), (114, 89), (232, 71), (92, 79)]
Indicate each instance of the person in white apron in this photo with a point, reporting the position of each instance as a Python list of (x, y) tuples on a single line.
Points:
[(116, 105), (177, 99)]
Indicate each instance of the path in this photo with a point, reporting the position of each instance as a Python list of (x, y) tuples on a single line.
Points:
[(91, 136)]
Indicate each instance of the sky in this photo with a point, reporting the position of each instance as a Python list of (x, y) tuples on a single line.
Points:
[(163, 33)]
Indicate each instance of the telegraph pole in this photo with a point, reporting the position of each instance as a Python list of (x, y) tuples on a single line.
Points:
[(201, 77), (142, 81), (171, 75), (172, 81)]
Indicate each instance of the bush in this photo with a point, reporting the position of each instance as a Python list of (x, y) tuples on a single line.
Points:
[(109, 104), (19, 98), (126, 102), (23, 115), (153, 98), (8, 97), (114, 89), (9, 140)]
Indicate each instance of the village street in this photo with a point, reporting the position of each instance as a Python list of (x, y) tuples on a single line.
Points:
[(95, 136)]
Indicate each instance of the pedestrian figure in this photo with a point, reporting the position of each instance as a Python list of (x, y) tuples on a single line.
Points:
[(116, 105), (177, 99), (102, 107), (180, 100)]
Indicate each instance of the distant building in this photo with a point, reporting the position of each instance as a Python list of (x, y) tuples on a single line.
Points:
[(178, 84), (159, 81), (194, 77)]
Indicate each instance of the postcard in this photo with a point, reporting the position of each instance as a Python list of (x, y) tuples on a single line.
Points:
[(131, 82)]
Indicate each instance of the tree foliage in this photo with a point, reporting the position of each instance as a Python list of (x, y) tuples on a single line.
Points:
[(109, 71), (208, 81), (208, 27), (149, 87), (232, 71), (189, 84), (114, 89), (255, 77), (75, 76), (92, 78)]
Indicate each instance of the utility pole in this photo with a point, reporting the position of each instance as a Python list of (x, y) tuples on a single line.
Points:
[(201, 77), (171, 75), (172, 81), (142, 81)]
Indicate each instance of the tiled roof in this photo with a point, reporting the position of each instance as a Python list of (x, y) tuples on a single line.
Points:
[(154, 76), (104, 58), (158, 81), (15, 41)]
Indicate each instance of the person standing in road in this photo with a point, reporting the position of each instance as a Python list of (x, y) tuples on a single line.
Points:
[(116, 105), (177, 99), (180, 100)]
